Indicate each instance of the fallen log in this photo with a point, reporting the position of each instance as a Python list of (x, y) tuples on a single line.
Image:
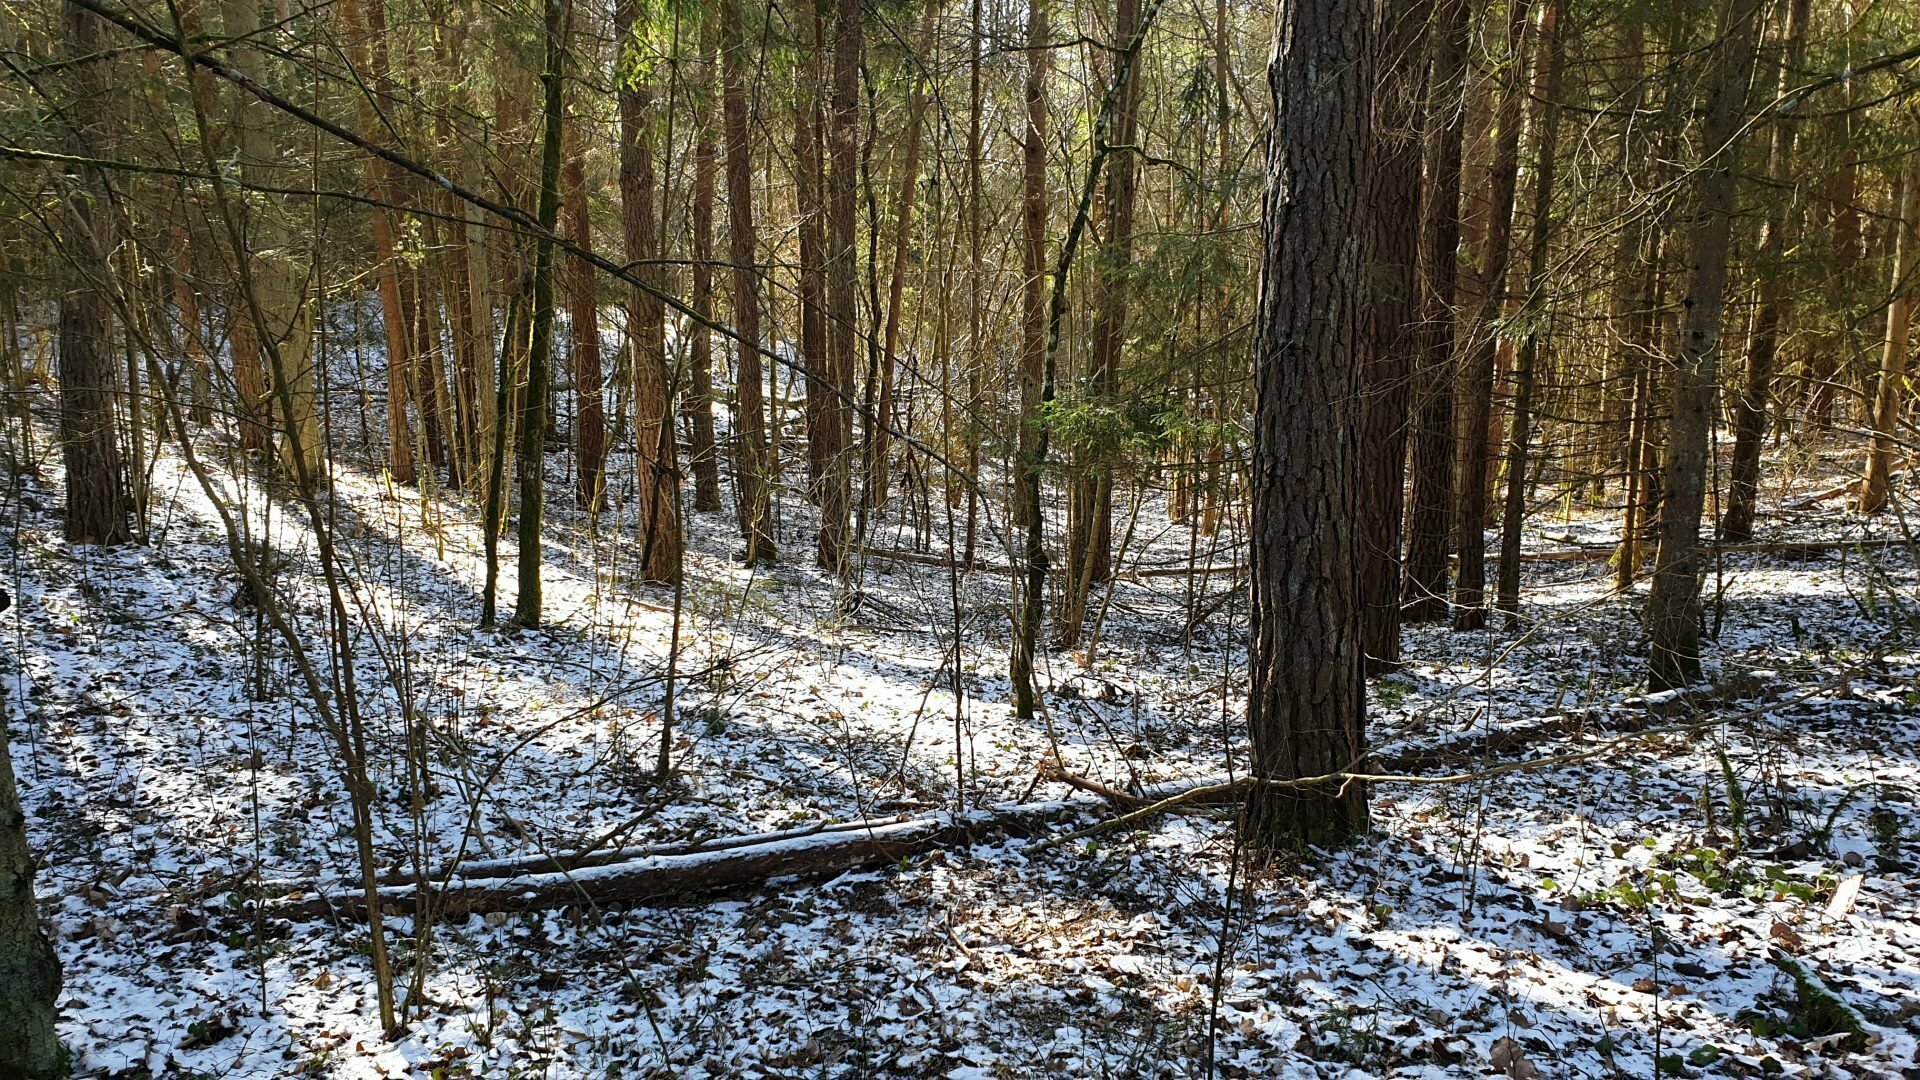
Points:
[(754, 861)]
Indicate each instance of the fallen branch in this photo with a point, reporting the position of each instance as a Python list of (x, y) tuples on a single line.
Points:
[(642, 874), (715, 867)]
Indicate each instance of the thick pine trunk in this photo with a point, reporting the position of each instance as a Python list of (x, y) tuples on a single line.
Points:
[(697, 403), (809, 204), (1673, 605), (842, 265), (1307, 702), (96, 511)]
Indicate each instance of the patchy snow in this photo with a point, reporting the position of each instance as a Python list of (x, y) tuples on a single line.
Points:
[(1595, 917)]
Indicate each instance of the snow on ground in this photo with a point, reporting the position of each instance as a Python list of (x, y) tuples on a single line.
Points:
[(1613, 914)]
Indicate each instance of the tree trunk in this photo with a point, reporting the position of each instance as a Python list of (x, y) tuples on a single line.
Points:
[(1477, 387), (1089, 542), (1673, 605), (96, 511), (1391, 334), (656, 473), (1750, 415), (367, 49), (29, 968), (842, 264), (809, 195), (698, 402), (879, 469), (1430, 505), (589, 418), (1892, 394), (1307, 701), (1546, 90), (533, 410), (750, 459), (1033, 346), (1824, 363)]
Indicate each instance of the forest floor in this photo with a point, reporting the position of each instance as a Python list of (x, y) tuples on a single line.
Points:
[(1637, 910)]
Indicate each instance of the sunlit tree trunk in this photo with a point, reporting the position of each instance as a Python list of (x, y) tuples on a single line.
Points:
[(1390, 333), (697, 402), (1673, 604), (589, 418), (1477, 374), (533, 410), (750, 457), (1892, 395), (656, 477), (1430, 504), (1538, 309), (1750, 414), (1306, 705), (1033, 343), (843, 336)]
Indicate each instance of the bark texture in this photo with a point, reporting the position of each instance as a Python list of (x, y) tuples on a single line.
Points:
[(1306, 709), (1430, 505), (1393, 224), (1673, 604), (750, 457), (96, 494), (1477, 375), (656, 477)]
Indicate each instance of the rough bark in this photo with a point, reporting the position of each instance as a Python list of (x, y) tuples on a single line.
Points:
[(1393, 224), (842, 266), (657, 874), (96, 510), (809, 202), (1307, 701), (1430, 504), (1673, 605)]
